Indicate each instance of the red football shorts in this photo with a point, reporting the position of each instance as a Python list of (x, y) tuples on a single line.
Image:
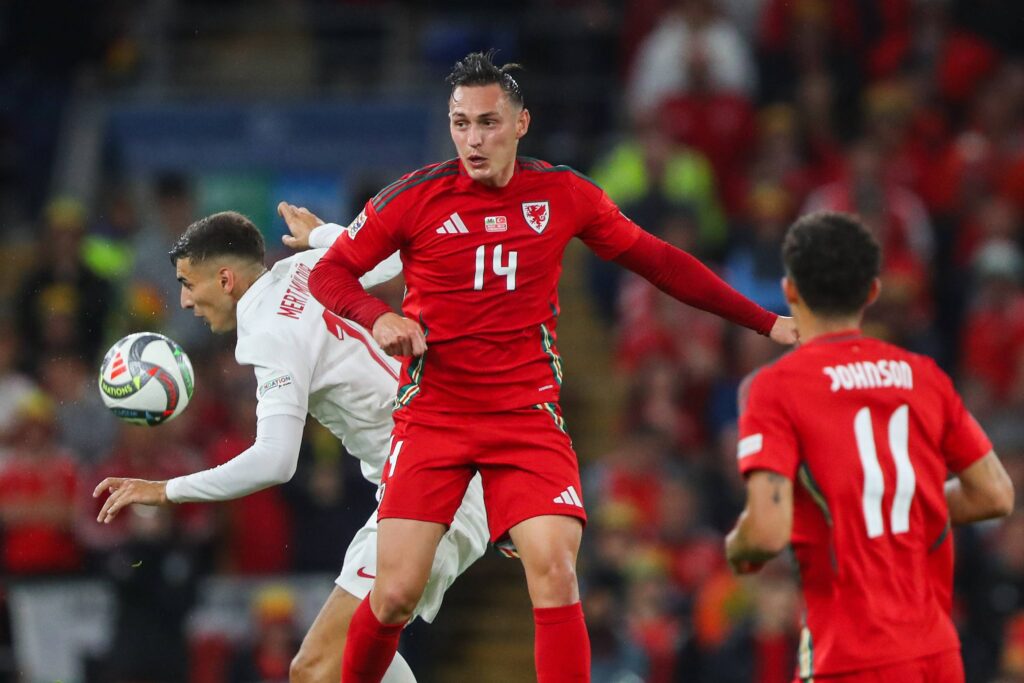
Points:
[(525, 459), (944, 667)]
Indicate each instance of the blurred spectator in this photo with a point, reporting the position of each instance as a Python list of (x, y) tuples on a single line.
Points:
[(754, 264), (108, 249), (616, 658), (992, 363), (84, 424), (657, 183), (651, 620), (63, 305), (37, 485), (267, 654), (329, 501), (153, 273), (14, 385), (690, 32), (154, 569)]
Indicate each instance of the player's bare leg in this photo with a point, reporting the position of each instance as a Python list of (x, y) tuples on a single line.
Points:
[(405, 554), (548, 546), (319, 657)]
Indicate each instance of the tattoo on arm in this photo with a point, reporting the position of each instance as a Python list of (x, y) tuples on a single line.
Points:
[(776, 481)]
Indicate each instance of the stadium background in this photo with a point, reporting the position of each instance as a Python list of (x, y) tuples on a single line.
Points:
[(712, 124)]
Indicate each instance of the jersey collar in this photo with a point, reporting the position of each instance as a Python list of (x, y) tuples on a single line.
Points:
[(838, 336)]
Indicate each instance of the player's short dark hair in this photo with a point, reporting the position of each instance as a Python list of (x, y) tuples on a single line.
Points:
[(832, 258), (227, 233), (478, 68)]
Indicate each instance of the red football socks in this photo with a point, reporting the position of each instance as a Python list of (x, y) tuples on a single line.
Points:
[(369, 647), (561, 644)]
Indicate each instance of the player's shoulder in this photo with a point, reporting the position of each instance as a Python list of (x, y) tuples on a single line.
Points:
[(552, 173), (760, 377), (412, 185), (281, 299)]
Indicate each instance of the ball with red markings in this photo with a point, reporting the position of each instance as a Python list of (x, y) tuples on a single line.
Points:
[(146, 379)]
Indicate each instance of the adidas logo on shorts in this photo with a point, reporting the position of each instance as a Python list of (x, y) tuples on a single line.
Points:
[(569, 497)]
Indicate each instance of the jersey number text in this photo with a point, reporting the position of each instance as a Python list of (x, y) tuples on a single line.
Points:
[(874, 482), (509, 270)]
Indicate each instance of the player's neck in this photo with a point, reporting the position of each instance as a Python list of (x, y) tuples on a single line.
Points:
[(247, 280), (812, 327)]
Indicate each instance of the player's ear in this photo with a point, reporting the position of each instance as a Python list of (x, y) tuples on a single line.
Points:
[(876, 289), (789, 291), (226, 278), (522, 123)]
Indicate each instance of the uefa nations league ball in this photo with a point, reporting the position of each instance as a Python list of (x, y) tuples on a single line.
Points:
[(146, 379)]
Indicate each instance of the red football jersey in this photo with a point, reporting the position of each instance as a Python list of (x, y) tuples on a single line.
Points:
[(867, 432), (481, 270)]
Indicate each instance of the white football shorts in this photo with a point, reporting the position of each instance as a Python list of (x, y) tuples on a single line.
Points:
[(464, 542)]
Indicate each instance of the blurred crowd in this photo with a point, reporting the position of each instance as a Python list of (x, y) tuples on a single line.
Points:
[(722, 122)]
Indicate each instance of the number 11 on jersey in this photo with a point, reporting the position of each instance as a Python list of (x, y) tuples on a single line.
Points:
[(508, 270)]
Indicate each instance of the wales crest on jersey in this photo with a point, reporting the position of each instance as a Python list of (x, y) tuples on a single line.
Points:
[(536, 215)]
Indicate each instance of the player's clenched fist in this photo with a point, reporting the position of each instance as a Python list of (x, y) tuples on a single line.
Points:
[(399, 336)]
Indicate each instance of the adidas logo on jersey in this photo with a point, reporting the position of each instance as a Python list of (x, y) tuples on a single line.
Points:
[(569, 497), (452, 226)]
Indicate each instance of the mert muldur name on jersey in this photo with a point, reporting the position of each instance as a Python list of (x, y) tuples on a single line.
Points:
[(877, 374)]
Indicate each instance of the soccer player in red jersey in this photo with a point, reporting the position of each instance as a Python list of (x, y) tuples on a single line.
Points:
[(481, 239), (845, 444)]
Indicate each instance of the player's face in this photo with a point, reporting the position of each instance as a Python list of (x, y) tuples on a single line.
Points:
[(486, 128), (206, 289)]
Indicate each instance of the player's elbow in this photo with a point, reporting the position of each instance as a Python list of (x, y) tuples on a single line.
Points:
[(1002, 498)]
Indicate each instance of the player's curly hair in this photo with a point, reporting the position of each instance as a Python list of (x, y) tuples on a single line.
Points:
[(478, 68), (227, 233), (832, 258)]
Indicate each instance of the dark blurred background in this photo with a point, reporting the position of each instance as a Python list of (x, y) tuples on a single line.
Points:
[(712, 123)]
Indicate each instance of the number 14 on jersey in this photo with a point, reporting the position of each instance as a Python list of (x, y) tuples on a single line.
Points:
[(508, 270)]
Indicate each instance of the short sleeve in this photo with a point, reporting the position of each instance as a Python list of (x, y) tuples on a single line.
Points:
[(964, 441), (603, 227), (283, 375), (767, 437)]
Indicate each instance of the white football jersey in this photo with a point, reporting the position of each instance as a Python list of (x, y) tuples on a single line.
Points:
[(308, 359)]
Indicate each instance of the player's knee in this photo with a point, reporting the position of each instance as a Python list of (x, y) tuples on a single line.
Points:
[(554, 583), (307, 668), (394, 603)]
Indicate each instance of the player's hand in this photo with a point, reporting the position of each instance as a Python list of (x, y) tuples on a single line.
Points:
[(784, 331), (300, 222), (126, 492), (399, 336)]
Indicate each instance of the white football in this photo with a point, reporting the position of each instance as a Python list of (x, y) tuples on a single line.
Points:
[(146, 379)]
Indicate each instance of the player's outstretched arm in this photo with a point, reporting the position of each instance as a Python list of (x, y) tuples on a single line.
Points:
[(982, 491), (271, 460), (685, 278), (764, 526)]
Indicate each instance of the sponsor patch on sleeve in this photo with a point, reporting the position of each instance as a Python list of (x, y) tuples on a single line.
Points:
[(276, 383), (749, 445), (357, 224)]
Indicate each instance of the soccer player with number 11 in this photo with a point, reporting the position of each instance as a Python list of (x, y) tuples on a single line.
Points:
[(846, 443)]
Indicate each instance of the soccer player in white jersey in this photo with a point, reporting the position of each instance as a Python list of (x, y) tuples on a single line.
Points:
[(306, 359)]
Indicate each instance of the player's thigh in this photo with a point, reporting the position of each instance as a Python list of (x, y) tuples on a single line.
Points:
[(405, 555), (319, 656), (427, 473), (529, 469)]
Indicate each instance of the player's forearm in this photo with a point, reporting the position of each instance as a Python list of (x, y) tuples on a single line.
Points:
[(684, 277), (271, 460), (967, 506), (335, 286)]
